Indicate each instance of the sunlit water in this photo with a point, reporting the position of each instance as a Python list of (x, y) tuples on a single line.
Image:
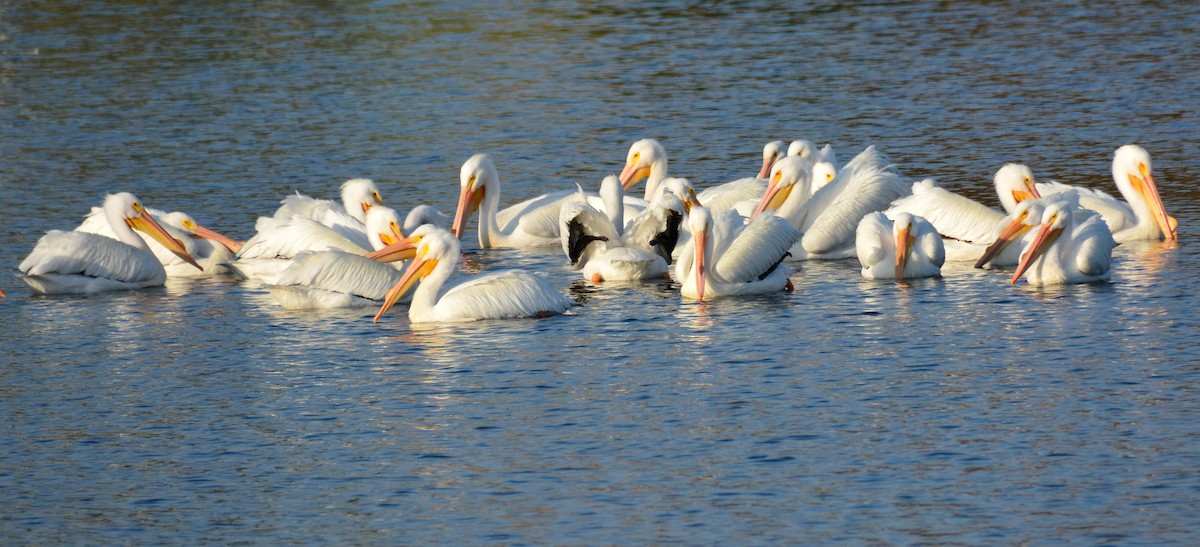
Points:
[(960, 409)]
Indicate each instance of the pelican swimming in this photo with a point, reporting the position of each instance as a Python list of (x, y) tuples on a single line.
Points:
[(829, 217), (1071, 246), (348, 218), (906, 247), (967, 224), (211, 250), (266, 255), (728, 256), (597, 242), (339, 279), (1142, 216), (647, 160), (85, 263), (496, 295)]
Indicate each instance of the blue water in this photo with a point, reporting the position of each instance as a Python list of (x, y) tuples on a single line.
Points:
[(952, 410)]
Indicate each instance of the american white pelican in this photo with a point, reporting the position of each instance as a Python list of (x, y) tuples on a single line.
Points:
[(968, 224), (829, 217), (809, 152), (728, 256), (1067, 249), (211, 250), (598, 244), (1014, 228), (647, 159), (278, 240), (85, 263), (1142, 216), (531, 223), (338, 279), (422, 215), (497, 295), (347, 218), (907, 247)]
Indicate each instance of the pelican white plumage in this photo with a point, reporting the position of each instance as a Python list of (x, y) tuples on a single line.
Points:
[(339, 279), (211, 250), (906, 247), (1071, 246), (829, 217), (497, 295), (266, 255), (1142, 216), (727, 256), (422, 215), (967, 224), (85, 263), (531, 223), (647, 159), (598, 243), (347, 218), (1014, 228)]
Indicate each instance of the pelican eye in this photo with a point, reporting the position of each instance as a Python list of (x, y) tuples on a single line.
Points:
[(189, 225), (1142, 169), (137, 207), (775, 179), (375, 196), (828, 177), (471, 181)]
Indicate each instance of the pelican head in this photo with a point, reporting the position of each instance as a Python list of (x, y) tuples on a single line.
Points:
[(700, 224), (681, 188), (383, 227), (127, 209), (1134, 175), (823, 173), (772, 152), (1014, 184), (784, 176), (423, 214), (902, 230), (359, 196), (642, 155), (1055, 218), (405, 247), (1026, 214), (474, 178), (186, 223), (438, 246), (801, 148)]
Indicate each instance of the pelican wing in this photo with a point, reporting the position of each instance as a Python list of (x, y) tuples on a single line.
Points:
[(656, 229), (870, 239), (339, 271), (1116, 213), (91, 255), (1096, 243), (756, 250), (583, 225), (535, 216), (952, 215), (867, 184), (725, 196), (503, 294), (284, 237)]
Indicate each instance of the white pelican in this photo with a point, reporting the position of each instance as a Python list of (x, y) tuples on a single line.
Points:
[(598, 244), (425, 214), (211, 250), (968, 224), (531, 223), (278, 240), (85, 263), (1014, 228), (728, 256), (1067, 249), (497, 295), (907, 247), (1142, 216), (808, 152), (829, 217), (338, 279), (347, 218), (647, 159)]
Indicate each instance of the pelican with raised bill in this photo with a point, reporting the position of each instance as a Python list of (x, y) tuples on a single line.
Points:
[(907, 247), (498, 295), (84, 263), (1070, 246), (727, 256), (1142, 216)]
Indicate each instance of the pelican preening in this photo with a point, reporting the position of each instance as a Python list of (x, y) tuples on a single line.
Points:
[(906, 247), (496, 295), (86, 263)]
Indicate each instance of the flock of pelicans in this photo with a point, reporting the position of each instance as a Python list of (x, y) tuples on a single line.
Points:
[(732, 239)]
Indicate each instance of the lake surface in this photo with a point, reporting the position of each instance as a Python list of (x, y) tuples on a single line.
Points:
[(952, 410)]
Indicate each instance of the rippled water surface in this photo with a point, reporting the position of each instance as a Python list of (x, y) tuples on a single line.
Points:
[(959, 409)]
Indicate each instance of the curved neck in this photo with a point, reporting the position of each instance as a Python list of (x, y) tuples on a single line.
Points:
[(429, 291), (489, 225), (658, 172), (121, 229)]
